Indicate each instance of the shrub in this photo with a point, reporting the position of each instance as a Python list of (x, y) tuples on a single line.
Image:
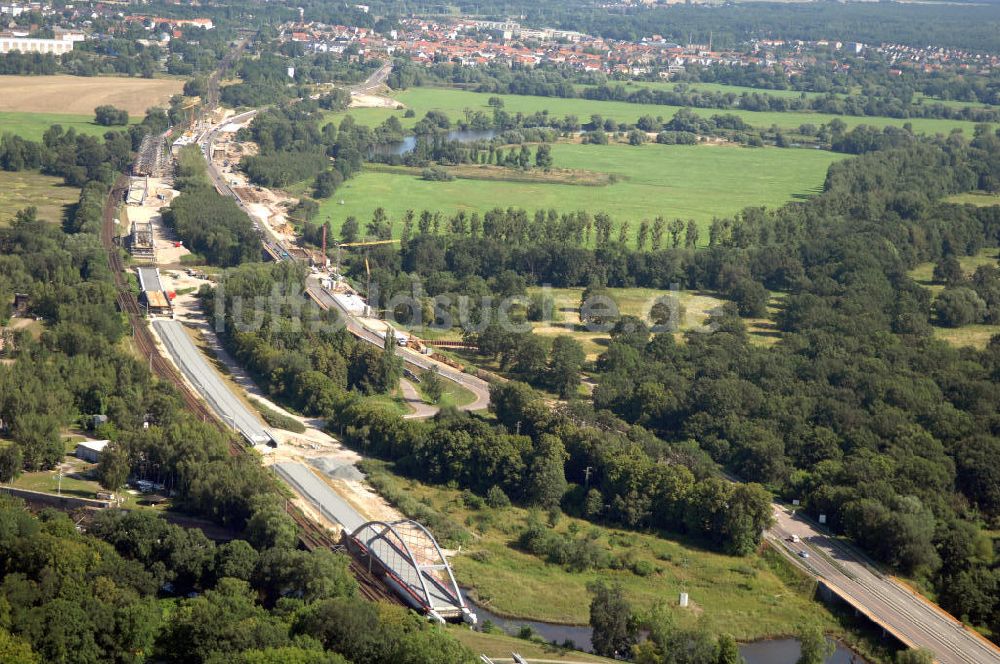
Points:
[(496, 498)]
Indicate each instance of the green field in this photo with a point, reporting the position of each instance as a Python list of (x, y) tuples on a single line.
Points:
[(631, 302), (750, 598), (454, 102), (22, 189), (499, 646), (976, 336), (918, 98), (31, 126), (702, 87), (685, 181), (978, 198), (452, 394)]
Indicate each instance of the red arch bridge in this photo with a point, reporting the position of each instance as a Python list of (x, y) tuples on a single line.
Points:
[(407, 557)]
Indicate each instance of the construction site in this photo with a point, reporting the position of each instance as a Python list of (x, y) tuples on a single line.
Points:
[(394, 559)]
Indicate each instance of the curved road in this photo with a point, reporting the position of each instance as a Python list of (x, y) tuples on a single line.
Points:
[(913, 619), (477, 386)]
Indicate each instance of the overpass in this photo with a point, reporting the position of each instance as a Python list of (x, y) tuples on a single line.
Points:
[(325, 300), (900, 611)]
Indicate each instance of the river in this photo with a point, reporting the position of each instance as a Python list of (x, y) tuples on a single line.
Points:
[(410, 142), (770, 651)]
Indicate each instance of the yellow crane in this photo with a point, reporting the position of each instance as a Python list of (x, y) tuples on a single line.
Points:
[(190, 106), (367, 243)]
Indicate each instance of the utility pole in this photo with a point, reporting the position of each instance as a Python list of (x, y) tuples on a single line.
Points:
[(586, 476), (59, 488)]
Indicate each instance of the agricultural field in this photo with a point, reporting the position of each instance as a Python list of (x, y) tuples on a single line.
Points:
[(751, 598), (81, 95), (22, 189), (686, 181), (454, 102)]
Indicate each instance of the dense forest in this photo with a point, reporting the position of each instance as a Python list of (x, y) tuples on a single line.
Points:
[(135, 588), (858, 412), (212, 225)]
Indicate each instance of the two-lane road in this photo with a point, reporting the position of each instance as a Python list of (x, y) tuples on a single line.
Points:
[(477, 386), (913, 619)]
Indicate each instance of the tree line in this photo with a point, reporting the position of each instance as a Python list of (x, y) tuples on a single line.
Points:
[(212, 225)]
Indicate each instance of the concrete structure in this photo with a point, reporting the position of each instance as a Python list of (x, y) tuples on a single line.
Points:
[(898, 609), (311, 487), (209, 384), (30, 45), (91, 450), (138, 189), (141, 243), (156, 302), (149, 279), (403, 553)]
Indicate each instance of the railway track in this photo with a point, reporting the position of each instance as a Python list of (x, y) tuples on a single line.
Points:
[(127, 302), (312, 535)]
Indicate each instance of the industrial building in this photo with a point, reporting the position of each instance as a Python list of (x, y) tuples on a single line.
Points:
[(153, 297), (91, 450)]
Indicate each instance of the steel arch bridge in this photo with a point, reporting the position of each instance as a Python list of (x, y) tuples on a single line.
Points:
[(411, 561)]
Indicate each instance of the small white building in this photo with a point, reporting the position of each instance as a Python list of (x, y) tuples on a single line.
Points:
[(91, 450)]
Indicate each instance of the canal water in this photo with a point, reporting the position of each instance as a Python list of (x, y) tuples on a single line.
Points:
[(771, 651)]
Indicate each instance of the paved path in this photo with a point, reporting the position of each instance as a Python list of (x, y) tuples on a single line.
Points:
[(208, 383), (895, 607), (421, 409)]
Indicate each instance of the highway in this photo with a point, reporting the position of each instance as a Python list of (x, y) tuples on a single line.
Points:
[(913, 619), (208, 383), (374, 81)]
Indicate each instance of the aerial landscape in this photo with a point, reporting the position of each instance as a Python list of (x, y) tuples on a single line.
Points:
[(561, 331)]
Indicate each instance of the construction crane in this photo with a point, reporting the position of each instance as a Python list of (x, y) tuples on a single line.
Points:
[(368, 243), (189, 106)]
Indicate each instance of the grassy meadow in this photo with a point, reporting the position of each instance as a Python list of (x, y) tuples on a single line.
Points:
[(977, 335), (751, 598), (31, 126), (22, 189), (453, 102), (687, 181), (978, 198)]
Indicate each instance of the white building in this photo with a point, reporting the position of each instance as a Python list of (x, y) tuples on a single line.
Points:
[(91, 450), (29, 45)]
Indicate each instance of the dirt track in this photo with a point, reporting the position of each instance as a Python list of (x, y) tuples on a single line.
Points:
[(77, 94)]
